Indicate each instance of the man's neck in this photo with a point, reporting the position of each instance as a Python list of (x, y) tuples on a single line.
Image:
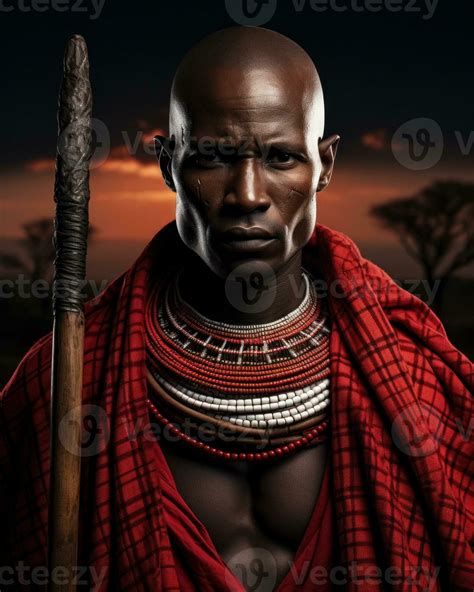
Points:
[(206, 292)]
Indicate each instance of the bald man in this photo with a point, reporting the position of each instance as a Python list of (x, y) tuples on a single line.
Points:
[(246, 150), (270, 410)]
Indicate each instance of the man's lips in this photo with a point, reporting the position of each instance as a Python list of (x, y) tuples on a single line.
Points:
[(242, 233), (255, 244), (243, 239)]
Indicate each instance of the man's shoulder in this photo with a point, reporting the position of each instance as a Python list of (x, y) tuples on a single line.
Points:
[(32, 373), (401, 304), (421, 336)]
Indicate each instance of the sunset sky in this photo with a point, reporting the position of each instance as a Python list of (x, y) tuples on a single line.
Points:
[(379, 70)]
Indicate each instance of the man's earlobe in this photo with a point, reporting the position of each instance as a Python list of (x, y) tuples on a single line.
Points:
[(327, 154), (164, 153)]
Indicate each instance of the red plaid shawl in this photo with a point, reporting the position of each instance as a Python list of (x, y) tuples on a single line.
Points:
[(401, 445)]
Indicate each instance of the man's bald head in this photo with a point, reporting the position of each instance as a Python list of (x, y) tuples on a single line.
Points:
[(246, 149), (237, 61)]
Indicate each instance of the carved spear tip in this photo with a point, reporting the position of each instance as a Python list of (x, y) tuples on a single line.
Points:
[(75, 57), (75, 106)]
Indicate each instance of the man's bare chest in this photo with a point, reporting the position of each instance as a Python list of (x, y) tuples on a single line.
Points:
[(255, 513)]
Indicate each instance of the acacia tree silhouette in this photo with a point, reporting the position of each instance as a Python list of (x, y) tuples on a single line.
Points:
[(436, 227), (38, 255)]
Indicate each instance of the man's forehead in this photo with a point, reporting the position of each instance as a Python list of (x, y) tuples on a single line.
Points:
[(259, 100), (231, 86), (241, 125), (246, 76)]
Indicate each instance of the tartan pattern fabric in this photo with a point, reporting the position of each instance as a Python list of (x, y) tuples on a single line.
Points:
[(401, 448)]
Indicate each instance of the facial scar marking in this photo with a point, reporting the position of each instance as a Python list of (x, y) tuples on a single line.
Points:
[(298, 193), (199, 193)]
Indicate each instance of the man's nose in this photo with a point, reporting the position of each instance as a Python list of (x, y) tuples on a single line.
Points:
[(246, 189)]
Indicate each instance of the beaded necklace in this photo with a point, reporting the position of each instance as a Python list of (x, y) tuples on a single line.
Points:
[(263, 377)]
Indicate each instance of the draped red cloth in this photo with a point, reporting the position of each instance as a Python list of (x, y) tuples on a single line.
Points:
[(310, 568), (402, 451)]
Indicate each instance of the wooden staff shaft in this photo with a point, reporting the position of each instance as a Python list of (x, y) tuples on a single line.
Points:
[(68, 339), (70, 238)]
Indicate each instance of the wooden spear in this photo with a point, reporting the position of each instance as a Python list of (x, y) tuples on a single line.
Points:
[(70, 239)]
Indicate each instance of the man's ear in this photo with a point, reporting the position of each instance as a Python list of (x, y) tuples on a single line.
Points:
[(164, 153), (327, 153)]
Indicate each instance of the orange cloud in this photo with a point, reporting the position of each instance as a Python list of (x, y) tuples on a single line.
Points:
[(130, 166), (155, 195), (119, 151), (119, 162), (148, 136), (376, 140), (38, 166)]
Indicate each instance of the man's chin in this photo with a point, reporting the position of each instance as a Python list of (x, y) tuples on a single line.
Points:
[(228, 264)]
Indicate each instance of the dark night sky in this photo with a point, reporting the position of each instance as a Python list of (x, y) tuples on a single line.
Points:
[(378, 69)]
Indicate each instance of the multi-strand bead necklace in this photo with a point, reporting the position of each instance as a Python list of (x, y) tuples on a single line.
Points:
[(268, 379)]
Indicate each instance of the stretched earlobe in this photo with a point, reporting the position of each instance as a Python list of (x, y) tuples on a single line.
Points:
[(327, 154), (159, 143), (164, 148)]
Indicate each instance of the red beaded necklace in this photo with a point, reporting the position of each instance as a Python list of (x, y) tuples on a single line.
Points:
[(194, 356), (221, 360), (314, 436)]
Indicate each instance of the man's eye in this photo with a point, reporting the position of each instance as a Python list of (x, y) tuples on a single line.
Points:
[(206, 158), (211, 157), (279, 157)]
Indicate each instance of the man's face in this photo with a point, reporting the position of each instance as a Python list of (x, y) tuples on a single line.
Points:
[(246, 155)]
